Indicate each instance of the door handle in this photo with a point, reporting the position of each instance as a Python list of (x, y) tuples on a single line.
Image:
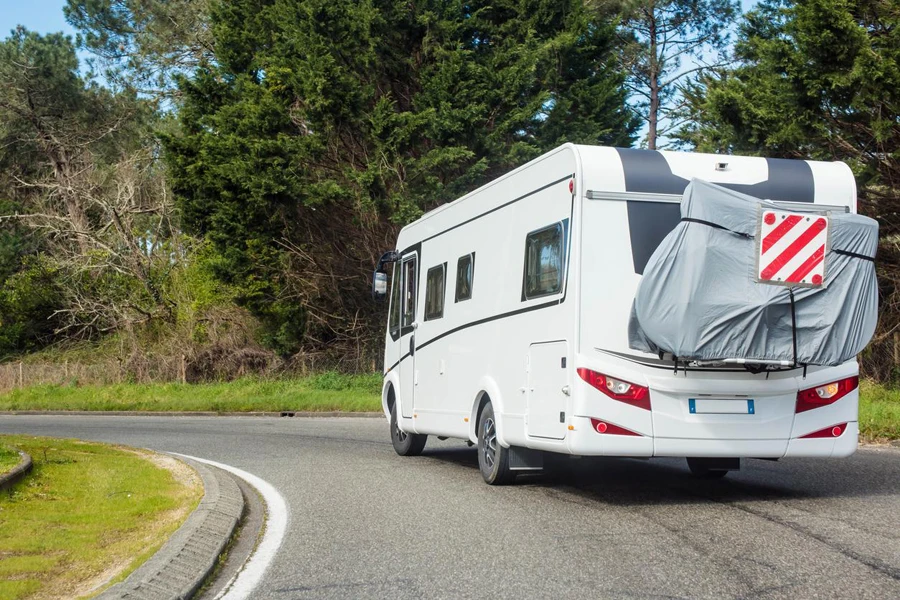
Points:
[(412, 345)]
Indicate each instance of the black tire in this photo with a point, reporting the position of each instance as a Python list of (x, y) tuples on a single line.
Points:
[(700, 469), (493, 459), (405, 444)]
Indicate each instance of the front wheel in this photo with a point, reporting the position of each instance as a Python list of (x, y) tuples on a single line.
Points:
[(405, 444), (493, 459)]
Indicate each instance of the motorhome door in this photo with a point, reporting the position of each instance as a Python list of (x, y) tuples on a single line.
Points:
[(409, 271), (547, 390)]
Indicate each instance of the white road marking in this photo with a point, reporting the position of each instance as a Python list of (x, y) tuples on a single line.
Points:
[(246, 580)]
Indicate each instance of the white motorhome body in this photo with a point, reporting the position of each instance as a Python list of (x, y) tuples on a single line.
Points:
[(517, 297)]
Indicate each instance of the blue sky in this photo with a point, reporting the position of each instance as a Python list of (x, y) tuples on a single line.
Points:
[(45, 16), (42, 16)]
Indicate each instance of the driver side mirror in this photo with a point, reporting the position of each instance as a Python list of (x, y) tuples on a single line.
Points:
[(380, 278), (379, 285)]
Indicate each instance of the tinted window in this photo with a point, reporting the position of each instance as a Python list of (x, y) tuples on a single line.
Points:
[(465, 272), (434, 292), (543, 262), (409, 292), (394, 322)]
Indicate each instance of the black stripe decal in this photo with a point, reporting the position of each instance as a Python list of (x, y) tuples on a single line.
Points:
[(489, 319), (648, 224), (505, 315), (648, 171), (495, 209), (513, 313)]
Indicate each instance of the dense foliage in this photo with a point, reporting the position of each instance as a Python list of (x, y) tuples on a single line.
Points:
[(322, 124), (819, 79), (224, 187)]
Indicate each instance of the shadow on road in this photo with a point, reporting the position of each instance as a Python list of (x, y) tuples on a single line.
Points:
[(623, 481)]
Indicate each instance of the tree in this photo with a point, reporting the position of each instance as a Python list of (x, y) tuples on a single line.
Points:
[(78, 170), (144, 42), (819, 79), (665, 43), (323, 124)]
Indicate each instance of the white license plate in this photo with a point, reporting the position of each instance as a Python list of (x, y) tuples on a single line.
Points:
[(720, 406)]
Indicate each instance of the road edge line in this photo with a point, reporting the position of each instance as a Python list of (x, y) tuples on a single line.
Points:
[(275, 527)]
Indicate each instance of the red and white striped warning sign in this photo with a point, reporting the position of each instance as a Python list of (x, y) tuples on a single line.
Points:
[(792, 248)]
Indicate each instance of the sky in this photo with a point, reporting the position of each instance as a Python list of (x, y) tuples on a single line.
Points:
[(42, 16), (45, 16)]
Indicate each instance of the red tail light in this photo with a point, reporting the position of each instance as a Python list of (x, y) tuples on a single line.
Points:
[(833, 431), (617, 389), (610, 429), (824, 395)]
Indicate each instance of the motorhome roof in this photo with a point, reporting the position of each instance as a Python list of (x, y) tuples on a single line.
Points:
[(668, 172)]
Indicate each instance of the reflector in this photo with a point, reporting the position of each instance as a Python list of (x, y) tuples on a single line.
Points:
[(833, 431)]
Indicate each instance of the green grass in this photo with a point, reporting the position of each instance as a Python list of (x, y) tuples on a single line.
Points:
[(87, 515), (9, 458), (879, 407), (879, 411), (318, 393)]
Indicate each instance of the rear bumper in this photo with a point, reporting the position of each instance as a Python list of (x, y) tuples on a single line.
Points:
[(692, 414), (584, 441)]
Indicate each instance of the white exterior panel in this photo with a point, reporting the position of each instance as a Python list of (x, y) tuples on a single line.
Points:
[(508, 347)]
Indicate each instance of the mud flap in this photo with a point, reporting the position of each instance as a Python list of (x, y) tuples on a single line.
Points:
[(525, 459)]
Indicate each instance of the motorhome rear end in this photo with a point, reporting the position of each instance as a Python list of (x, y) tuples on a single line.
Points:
[(508, 321)]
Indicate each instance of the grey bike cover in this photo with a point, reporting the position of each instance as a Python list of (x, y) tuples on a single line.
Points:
[(700, 297)]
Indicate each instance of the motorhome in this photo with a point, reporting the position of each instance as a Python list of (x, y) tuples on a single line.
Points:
[(508, 322)]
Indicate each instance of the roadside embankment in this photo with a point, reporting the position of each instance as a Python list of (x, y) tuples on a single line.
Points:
[(14, 465), (879, 412), (87, 515), (326, 392)]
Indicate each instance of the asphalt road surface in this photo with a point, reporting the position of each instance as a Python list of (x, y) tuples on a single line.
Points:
[(366, 523)]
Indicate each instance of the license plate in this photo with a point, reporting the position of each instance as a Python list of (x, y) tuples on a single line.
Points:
[(720, 406)]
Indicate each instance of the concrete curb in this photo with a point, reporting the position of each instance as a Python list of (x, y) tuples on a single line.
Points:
[(12, 477), (184, 562), (139, 413)]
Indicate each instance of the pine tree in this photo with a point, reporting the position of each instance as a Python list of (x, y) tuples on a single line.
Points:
[(665, 44)]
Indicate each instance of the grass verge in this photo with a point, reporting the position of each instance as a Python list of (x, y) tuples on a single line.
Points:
[(879, 406), (317, 393), (88, 515), (879, 412), (9, 458)]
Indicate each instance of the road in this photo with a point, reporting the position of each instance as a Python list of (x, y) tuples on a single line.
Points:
[(366, 523)]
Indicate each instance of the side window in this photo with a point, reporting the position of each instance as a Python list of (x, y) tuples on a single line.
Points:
[(544, 261), (434, 292), (409, 292), (465, 273), (394, 319)]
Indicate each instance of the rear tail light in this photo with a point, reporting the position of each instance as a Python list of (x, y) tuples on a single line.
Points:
[(610, 429), (829, 432), (825, 394), (617, 389)]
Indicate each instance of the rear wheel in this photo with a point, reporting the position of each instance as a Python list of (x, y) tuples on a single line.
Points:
[(405, 444), (704, 468), (493, 459)]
